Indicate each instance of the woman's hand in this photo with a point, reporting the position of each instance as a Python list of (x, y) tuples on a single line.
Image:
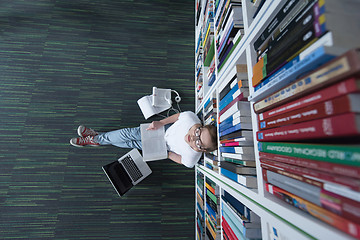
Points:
[(155, 125)]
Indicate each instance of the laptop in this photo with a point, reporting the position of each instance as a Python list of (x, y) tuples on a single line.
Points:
[(127, 171), (153, 143)]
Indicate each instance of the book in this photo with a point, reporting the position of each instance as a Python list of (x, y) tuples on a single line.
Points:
[(237, 143), (343, 125), (334, 153), (342, 202), (228, 233), (237, 135), (240, 106), (230, 96), (241, 162), (248, 231), (285, 12), (241, 150), (303, 31), (346, 86), (237, 156), (341, 185), (341, 67), (237, 127), (331, 218), (238, 169), (302, 63), (247, 181), (335, 106), (235, 119), (241, 125), (297, 10), (313, 164)]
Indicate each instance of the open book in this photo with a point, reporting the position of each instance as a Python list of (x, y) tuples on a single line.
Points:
[(148, 110)]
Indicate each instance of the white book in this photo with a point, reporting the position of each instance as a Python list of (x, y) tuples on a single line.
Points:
[(242, 106)]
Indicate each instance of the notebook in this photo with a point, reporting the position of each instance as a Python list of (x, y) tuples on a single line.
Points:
[(127, 171), (153, 143)]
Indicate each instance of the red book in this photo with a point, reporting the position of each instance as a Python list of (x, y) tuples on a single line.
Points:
[(345, 170), (312, 176), (344, 125), (336, 106), (341, 88), (229, 232), (331, 218), (336, 203)]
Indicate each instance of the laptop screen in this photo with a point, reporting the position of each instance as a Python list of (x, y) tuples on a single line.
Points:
[(118, 177)]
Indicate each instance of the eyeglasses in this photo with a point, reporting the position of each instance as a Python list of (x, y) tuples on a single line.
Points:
[(198, 142)]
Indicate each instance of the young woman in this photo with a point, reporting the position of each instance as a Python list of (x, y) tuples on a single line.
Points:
[(185, 137)]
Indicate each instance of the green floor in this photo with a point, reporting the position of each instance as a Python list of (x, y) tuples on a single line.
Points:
[(65, 63)]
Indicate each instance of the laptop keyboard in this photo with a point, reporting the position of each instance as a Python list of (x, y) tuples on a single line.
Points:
[(132, 169)]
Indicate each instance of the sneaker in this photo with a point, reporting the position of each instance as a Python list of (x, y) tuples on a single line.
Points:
[(84, 131), (81, 141)]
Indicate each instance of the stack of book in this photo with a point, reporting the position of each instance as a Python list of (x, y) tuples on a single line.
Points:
[(212, 161), (208, 33), (229, 28), (307, 103), (199, 76), (309, 142), (212, 217), (235, 130), (200, 222), (238, 221), (210, 110), (302, 36)]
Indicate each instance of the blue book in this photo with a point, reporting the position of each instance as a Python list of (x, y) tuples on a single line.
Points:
[(212, 79), (231, 97), (230, 130), (229, 174), (225, 125), (291, 71), (210, 211), (241, 229), (240, 208)]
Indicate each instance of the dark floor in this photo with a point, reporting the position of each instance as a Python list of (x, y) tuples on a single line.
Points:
[(65, 63)]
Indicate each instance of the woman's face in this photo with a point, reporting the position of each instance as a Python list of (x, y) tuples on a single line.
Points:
[(198, 138)]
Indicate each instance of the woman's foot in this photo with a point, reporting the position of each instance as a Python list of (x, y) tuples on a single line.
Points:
[(84, 141), (84, 131)]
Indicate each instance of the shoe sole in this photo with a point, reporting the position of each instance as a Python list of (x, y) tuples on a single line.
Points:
[(75, 145), (79, 132)]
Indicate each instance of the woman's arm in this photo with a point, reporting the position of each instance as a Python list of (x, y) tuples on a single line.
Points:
[(175, 157), (156, 124)]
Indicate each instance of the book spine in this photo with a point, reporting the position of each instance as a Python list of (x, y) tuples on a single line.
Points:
[(335, 70), (334, 220), (340, 154), (229, 232), (230, 101), (289, 72), (340, 169), (230, 130), (343, 125), (320, 110), (285, 10), (318, 178), (306, 191)]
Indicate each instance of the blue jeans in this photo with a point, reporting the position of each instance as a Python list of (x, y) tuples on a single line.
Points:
[(123, 138)]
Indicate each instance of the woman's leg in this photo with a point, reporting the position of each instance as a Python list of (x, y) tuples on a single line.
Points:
[(123, 138)]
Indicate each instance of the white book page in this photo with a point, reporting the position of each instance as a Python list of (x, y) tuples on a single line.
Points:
[(153, 143)]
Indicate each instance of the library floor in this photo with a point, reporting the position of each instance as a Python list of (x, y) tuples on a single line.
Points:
[(65, 63)]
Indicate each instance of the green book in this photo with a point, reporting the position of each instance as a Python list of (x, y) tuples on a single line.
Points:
[(210, 54), (341, 154), (212, 196)]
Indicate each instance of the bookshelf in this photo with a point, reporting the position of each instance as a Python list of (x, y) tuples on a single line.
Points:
[(278, 220)]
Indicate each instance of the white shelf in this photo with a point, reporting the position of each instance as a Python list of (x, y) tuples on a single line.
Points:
[(290, 222)]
